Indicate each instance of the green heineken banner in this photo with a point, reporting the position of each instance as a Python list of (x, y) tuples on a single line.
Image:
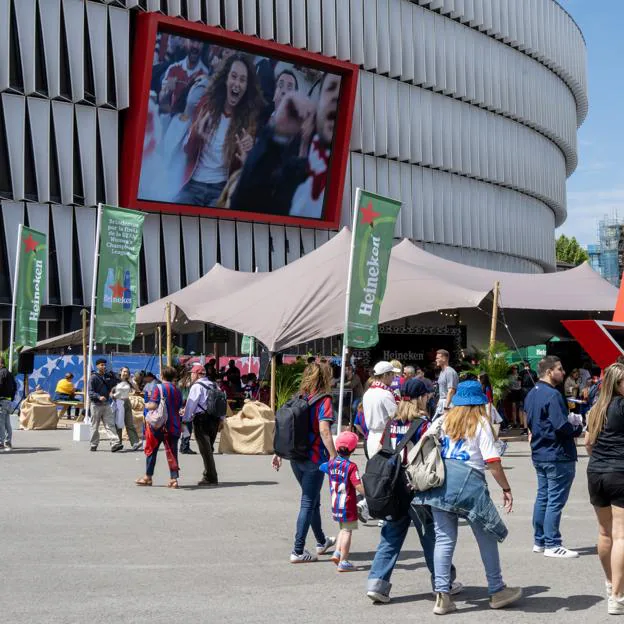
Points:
[(29, 294), (118, 275), (247, 344), (373, 231)]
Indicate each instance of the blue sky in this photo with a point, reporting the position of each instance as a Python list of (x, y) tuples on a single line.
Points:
[(597, 186)]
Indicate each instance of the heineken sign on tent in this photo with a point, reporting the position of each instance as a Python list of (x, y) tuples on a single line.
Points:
[(374, 220), (30, 285), (118, 275)]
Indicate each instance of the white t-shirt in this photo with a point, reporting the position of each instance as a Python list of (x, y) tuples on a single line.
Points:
[(476, 452), (379, 407), (211, 167)]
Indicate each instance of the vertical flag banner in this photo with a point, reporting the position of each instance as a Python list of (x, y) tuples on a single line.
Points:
[(31, 279), (121, 234), (373, 232)]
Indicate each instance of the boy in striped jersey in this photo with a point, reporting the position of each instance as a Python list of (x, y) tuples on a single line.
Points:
[(344, 483)]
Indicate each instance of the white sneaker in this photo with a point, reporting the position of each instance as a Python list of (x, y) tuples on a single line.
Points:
[(538, 549), (616, 605), (304, 557), (559, 552), (7, 448), (378, 597), (330, 542)]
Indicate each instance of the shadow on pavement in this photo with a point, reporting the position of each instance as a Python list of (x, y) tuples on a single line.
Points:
[(587, 550), (228, 484), (34, 449)]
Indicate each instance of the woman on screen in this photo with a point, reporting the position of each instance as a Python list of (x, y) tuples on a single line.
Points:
[(222, 131)]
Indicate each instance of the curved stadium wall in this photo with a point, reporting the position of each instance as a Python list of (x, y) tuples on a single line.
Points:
[(466, 110)]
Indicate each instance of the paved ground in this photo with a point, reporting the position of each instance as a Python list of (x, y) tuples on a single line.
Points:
[(81, 543)]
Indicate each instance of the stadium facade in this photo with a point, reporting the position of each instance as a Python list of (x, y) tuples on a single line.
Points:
[(466, 110)]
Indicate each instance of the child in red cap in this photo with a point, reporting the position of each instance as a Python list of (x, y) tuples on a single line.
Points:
[(344, 482)]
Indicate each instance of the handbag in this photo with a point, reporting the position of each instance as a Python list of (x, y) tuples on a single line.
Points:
[(425, 467), (157, 418)]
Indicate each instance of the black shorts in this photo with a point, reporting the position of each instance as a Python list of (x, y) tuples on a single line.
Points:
[(606, 488)]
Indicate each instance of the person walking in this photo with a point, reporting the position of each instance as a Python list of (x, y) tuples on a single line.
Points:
[(412, 409), (379, 404), (604, 441), (344, 485), (8, 388), (315, 381), (200, 411), (554, 455), (184, 384), (123, 409), (467, 448), (100, 386), (528, 379), (447, 382), (168, 434)]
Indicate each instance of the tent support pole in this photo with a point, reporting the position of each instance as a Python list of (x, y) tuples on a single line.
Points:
[(84, 313), (159, 338), (273, 380), (494, 317), (168, 312)]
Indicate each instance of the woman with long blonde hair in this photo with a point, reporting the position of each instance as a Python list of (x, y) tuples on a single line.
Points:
[(467, 448), (410, 420), (315, 387), (604, 441)]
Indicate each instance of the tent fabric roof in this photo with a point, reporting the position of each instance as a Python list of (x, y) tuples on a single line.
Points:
[(548, 291), (305, 300)]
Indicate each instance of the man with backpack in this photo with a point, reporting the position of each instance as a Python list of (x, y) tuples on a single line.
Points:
[(206, 406)]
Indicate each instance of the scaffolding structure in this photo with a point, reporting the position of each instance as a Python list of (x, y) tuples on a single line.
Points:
[(610, 249)]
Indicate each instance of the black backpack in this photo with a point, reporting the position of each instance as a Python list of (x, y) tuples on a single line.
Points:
[(216, 402), (388, 493), (292, 428)]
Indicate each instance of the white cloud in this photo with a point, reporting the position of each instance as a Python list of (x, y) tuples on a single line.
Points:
[(586, 208)]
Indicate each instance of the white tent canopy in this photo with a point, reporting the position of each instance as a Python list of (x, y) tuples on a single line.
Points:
[(304, 300)]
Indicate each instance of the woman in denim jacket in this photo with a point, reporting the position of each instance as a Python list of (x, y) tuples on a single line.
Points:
[(467, 446)]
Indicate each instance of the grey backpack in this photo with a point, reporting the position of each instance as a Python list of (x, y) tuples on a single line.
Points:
[(425, 468)]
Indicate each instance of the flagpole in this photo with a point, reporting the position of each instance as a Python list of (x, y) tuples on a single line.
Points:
[(96, 259), (18, 254), (356, 205)]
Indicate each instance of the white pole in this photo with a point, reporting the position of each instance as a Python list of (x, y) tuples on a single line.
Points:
[(96, 262), (251, 350), (18, 254), (356, 205)]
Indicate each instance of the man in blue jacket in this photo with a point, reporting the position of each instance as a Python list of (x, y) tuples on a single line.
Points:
[(553, 451)]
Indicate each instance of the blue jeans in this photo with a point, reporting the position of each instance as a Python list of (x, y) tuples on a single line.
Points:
[(392, 537), (445, 541), (310, 479), (6, 431), (200, 193), (554, 480)]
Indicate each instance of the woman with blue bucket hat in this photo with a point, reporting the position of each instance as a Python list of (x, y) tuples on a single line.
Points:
[(467, 448)]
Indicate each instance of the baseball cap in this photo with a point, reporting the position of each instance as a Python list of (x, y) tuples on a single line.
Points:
[(198, 368), (381, 368), (348, 440), (413, 388)]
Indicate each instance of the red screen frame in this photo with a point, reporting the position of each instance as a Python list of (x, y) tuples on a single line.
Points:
[(147, 27)]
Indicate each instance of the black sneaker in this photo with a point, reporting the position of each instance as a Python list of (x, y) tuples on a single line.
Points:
[(116, 447), (188, 452), (525, 432), (93, 447)]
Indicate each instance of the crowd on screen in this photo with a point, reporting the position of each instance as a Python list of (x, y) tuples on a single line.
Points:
[(227, 129)]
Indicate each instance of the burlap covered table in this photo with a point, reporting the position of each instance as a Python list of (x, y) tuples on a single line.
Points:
[(250, 432), (37, 411)]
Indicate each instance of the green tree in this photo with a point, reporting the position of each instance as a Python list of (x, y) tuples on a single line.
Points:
[(568, 250)]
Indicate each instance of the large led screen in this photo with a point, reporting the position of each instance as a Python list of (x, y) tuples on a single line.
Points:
[(230, 128)]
